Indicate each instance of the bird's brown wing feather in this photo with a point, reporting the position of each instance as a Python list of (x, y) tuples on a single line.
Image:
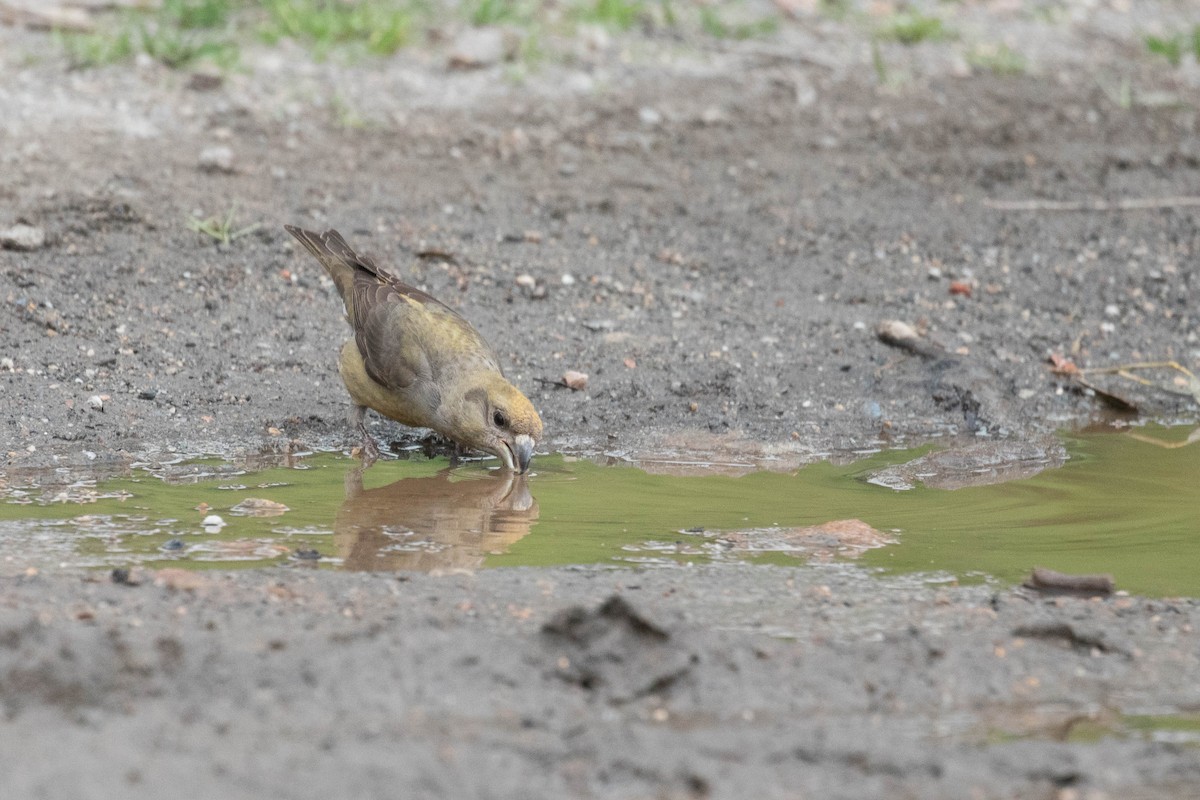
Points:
[(381, 308)]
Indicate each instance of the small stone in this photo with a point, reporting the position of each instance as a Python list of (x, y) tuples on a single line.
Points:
[(575, 381), (212, 524), (650, 116), (216, 159), (476, 48), (129, 576), (147, 394), (205, 81), (567, 279), (96, 402), (180, 580), (172, 544), (308, 554), (526, 281), (7, 365), (1112, 310), (23, 237)]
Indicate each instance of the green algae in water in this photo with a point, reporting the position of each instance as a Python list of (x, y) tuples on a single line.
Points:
[(1119, 505)]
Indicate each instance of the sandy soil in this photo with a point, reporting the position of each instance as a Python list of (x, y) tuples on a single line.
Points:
[(713, 234)]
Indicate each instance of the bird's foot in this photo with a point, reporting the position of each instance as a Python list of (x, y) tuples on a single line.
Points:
[(368, 451)]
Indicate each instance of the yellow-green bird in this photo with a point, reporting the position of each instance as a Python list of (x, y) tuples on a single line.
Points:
[(418, 361)]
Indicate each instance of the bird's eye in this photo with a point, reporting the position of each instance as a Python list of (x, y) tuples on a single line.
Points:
[(499, 418)]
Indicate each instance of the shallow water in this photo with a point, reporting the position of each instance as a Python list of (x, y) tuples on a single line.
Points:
[(1123, 503)]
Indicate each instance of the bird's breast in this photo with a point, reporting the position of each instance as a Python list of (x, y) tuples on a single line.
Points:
[(407, 406)]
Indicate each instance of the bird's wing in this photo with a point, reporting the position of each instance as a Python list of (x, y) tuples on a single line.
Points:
[(404, 334)]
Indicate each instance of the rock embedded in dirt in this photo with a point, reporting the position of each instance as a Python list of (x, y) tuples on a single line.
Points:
[(575, 381), (23, 237), (476, 48), (218, 158)]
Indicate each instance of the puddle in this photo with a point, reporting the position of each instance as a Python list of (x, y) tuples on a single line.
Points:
[(1166, 728), (1123, 503)]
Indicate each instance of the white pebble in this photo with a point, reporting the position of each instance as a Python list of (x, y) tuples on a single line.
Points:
[(650, 116), (216, 159), (96, 402)]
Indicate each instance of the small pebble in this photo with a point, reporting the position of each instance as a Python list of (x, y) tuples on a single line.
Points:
[(128, 576), (650, 116), (475, 48), (172, 544), (96, 402), (308, 554), (575, 381), (23, 237), (216, 159)]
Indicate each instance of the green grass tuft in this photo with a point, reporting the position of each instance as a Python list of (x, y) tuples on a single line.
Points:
[(199, 14), (913, 27), (1169, 47), (712, 24), (619, 14), (177, 34), (999, 59), (381, 27), (221, 229)]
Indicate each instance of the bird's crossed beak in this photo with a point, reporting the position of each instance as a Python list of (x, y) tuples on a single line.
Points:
[(520, 453)]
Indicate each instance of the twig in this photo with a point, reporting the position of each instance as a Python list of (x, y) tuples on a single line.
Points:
[(1126, 204), (1048, 580), (1126, 371)]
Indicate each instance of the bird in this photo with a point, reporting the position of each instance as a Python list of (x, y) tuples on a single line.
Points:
[(414, 359)]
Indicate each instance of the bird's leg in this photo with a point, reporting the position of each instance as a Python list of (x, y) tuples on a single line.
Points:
[(370, 451)]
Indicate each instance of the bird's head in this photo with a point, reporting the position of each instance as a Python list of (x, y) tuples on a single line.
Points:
[(498, 419)]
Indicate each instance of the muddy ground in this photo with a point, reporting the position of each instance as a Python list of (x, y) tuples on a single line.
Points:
[(713, 237)]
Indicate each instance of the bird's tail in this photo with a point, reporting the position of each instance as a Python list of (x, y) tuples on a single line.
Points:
[(337, 257)]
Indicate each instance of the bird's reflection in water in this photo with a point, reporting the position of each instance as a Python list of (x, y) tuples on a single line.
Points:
[(432, 523)]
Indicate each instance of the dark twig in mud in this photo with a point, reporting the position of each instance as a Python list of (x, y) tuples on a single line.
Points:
[(1048, 580), (1067, 369), (440, 255), (1126, 204), (1126, 371), (1072, 635)]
